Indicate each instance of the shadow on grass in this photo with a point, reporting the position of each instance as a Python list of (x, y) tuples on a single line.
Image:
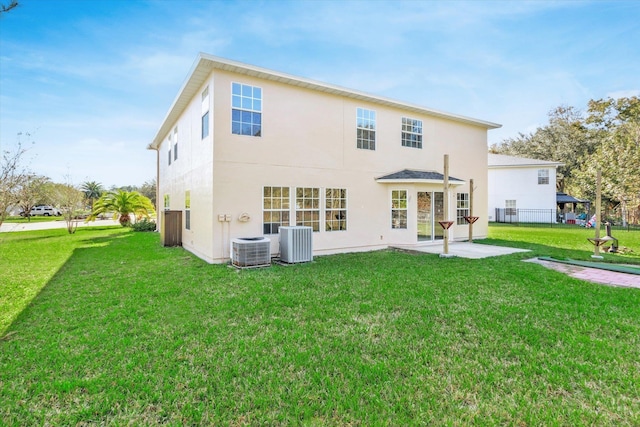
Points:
[(538, 250), (35, 259)]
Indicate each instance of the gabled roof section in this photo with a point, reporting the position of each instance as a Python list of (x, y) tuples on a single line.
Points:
[(566, 198), (206, 63), (409, 176), (504, 161)]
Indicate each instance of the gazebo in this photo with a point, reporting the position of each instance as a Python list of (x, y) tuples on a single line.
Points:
[(564, 199)]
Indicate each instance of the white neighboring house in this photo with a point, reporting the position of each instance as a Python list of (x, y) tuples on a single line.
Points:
[(244, 150), (521, 189)]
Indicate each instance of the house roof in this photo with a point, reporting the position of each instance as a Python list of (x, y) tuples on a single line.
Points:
[(205, 63), (504, 161), (416, 176), (566, 198)]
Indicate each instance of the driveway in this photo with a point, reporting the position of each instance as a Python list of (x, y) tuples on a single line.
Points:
[(46, 225)]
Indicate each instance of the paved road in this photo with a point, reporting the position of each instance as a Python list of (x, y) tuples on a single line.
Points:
[(26, 226)]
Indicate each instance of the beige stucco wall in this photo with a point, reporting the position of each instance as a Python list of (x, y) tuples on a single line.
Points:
[(309, 140)]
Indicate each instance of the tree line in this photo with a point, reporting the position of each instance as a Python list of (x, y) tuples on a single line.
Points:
[(22, 189), (605, 137)]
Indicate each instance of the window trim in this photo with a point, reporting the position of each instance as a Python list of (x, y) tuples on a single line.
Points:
[(400, 225), (281, 210), (462, 211), (313, 222), (251, 110), (371, 142), (187, 209), (331, 211), (404, 141), (543, 175)]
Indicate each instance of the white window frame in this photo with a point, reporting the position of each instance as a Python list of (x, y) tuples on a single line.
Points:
[(397, 209), (247, 103), (411, 128), (269, 209), (366, 122), (335, 208), (187, 209), (462, 208), (543, 176), (307, 207)]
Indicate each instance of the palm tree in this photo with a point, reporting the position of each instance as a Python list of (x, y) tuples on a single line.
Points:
[(122, 204), (92, 190)]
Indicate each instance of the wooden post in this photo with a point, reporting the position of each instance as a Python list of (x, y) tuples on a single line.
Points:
[(445, 198), (596, 250), (471, 210)]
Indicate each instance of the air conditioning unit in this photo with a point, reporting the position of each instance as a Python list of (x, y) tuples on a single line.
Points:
[(251, 252), (296, 244)]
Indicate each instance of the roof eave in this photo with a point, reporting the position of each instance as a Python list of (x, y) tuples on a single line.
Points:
[(417, 181), (204, 63)]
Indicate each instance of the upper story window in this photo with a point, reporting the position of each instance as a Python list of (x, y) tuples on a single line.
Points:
[(366, 129), (246, 110), (411, 133), (170, 144), (175, 143), (543, 176), (205, 113)]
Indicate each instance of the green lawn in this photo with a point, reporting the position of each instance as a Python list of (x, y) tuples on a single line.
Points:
[(23, 220), (118, 330)]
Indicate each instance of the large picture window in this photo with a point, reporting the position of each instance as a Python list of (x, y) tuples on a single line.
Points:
[(366, 129), (411, 132), (246, 110), (308, 207), (276, 205), (335, 209), (462, 208), (399, 209)]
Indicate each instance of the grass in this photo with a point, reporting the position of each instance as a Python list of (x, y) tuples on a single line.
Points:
[(23, 220), (120, 330)]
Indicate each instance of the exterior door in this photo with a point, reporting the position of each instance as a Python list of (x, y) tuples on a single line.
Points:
[(430, 211), (425, 221)]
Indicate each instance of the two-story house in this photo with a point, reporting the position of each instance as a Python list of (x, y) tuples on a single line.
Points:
[(521, 189), (244, 150)]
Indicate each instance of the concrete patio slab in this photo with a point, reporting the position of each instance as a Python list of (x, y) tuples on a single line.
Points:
[(460, 249)]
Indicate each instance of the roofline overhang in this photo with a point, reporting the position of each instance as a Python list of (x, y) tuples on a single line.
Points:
[(527, 165), (418, 181), (205, 63)]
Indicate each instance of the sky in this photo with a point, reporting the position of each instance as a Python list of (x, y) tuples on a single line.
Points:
[(86, 84)]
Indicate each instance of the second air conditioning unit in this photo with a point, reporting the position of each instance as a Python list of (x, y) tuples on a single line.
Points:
[(296, 244), (251, 252)]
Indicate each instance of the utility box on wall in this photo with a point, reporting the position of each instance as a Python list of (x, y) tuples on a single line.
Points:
[(171, 230)]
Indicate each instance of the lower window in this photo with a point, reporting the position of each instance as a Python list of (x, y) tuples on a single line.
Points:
[(275, 204), (399, 209)]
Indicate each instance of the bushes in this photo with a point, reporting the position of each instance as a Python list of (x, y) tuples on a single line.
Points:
[(144, 225)]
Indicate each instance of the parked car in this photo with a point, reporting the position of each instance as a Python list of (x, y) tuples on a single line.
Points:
[(44, 211)]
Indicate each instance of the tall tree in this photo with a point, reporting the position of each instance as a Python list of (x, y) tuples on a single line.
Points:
[(565, 139), (123, 204), (31, 192), (148, 189), (616, 123), (12, 174), (92, 191)]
